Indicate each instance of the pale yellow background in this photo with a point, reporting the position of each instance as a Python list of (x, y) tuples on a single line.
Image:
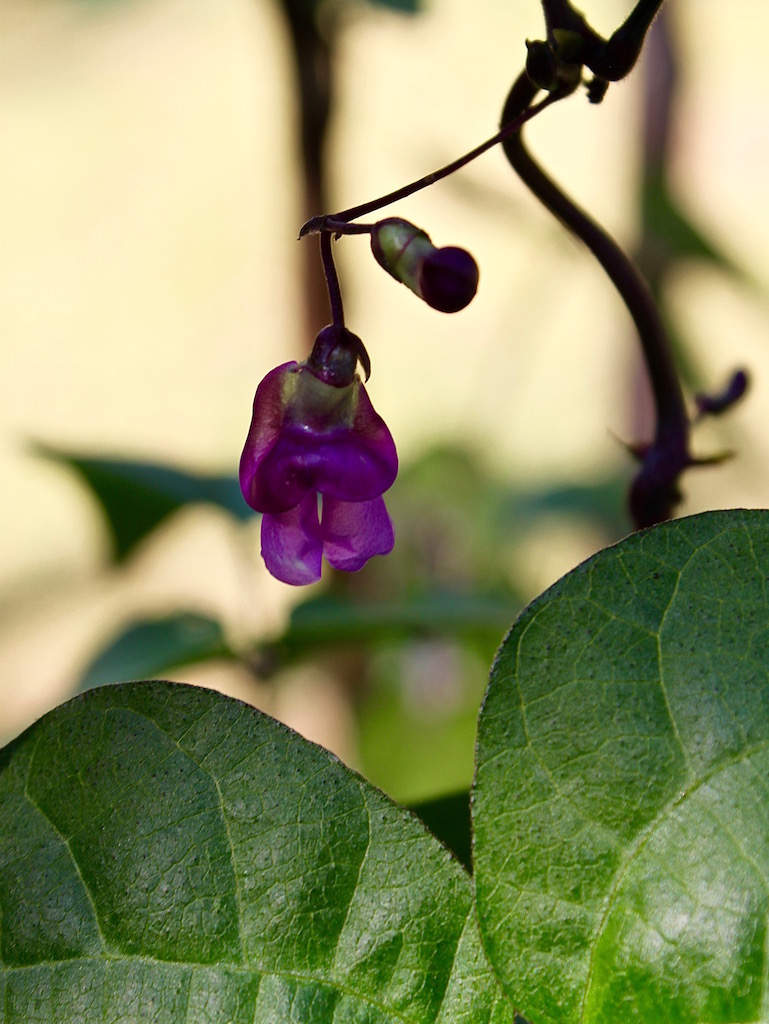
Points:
[(148, 260)]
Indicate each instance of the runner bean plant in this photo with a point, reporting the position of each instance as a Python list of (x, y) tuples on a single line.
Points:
[(169, 854)]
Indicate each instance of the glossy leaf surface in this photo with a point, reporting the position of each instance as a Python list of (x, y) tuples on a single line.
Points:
[(168, 854), (621, 803)]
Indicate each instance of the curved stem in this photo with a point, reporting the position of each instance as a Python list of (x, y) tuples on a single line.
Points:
[(332, 281), (623, 48), (655, 489), (342, 227), (623, 274), (323, 223)]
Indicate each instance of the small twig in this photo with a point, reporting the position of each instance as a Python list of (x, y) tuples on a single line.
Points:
[(332, 281), (332, 222)]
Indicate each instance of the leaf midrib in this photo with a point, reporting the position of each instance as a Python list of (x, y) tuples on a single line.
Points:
[(240, 970)]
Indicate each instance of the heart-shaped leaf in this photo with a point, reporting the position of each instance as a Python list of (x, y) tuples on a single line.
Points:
[(168, 854), (621, 802)]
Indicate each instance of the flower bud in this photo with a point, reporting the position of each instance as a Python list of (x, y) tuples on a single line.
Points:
[(447, 279), (541, 65), (335, 356), (569, 45), (715, 405), (400, 247)]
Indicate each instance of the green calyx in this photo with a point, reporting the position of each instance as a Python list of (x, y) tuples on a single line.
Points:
[(401, 248), (312, 402)]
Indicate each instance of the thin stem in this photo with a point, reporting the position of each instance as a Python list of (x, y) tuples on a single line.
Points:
[(655, 490), (321, 223), (332, 281), (313, 58), (638, 22), (624, 46), (342, 227), (625, 277)]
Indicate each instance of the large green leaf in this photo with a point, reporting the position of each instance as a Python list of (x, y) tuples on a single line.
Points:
[(621, 802), (168, 854)]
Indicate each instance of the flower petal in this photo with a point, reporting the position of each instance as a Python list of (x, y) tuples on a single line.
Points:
[(264, 432), (291, 543), (361, 462), (339, 464), (353, 531), (307, 435)]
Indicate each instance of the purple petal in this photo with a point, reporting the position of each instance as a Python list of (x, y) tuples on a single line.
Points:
[(327, 439), (263, 434), (355, 462), (340, 463), (376, 465), (291, 543), (353, 531), (286, 472)]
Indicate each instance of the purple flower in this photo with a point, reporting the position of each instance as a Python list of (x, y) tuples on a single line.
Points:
[(310, 438)]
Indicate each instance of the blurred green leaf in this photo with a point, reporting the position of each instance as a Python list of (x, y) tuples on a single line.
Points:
[(136, 497), (417, 716), (328, 621), (171, 855), (149, 648), (406, 6), (672, 236), (455, 516), (620, 815), (601, 502)]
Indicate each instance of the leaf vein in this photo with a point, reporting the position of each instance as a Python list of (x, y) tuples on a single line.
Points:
[(641, 840)]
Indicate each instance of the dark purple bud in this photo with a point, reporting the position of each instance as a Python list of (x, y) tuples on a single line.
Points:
[(335, 356), (714, 405), (448, 279), (541, 64)]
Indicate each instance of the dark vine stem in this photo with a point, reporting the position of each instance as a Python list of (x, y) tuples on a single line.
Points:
[(342, 227), (654, 492), (609, 59), (313, 56), (336, 221), (332, 281)]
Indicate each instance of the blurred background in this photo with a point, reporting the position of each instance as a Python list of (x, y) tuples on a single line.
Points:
[(153, 178)]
